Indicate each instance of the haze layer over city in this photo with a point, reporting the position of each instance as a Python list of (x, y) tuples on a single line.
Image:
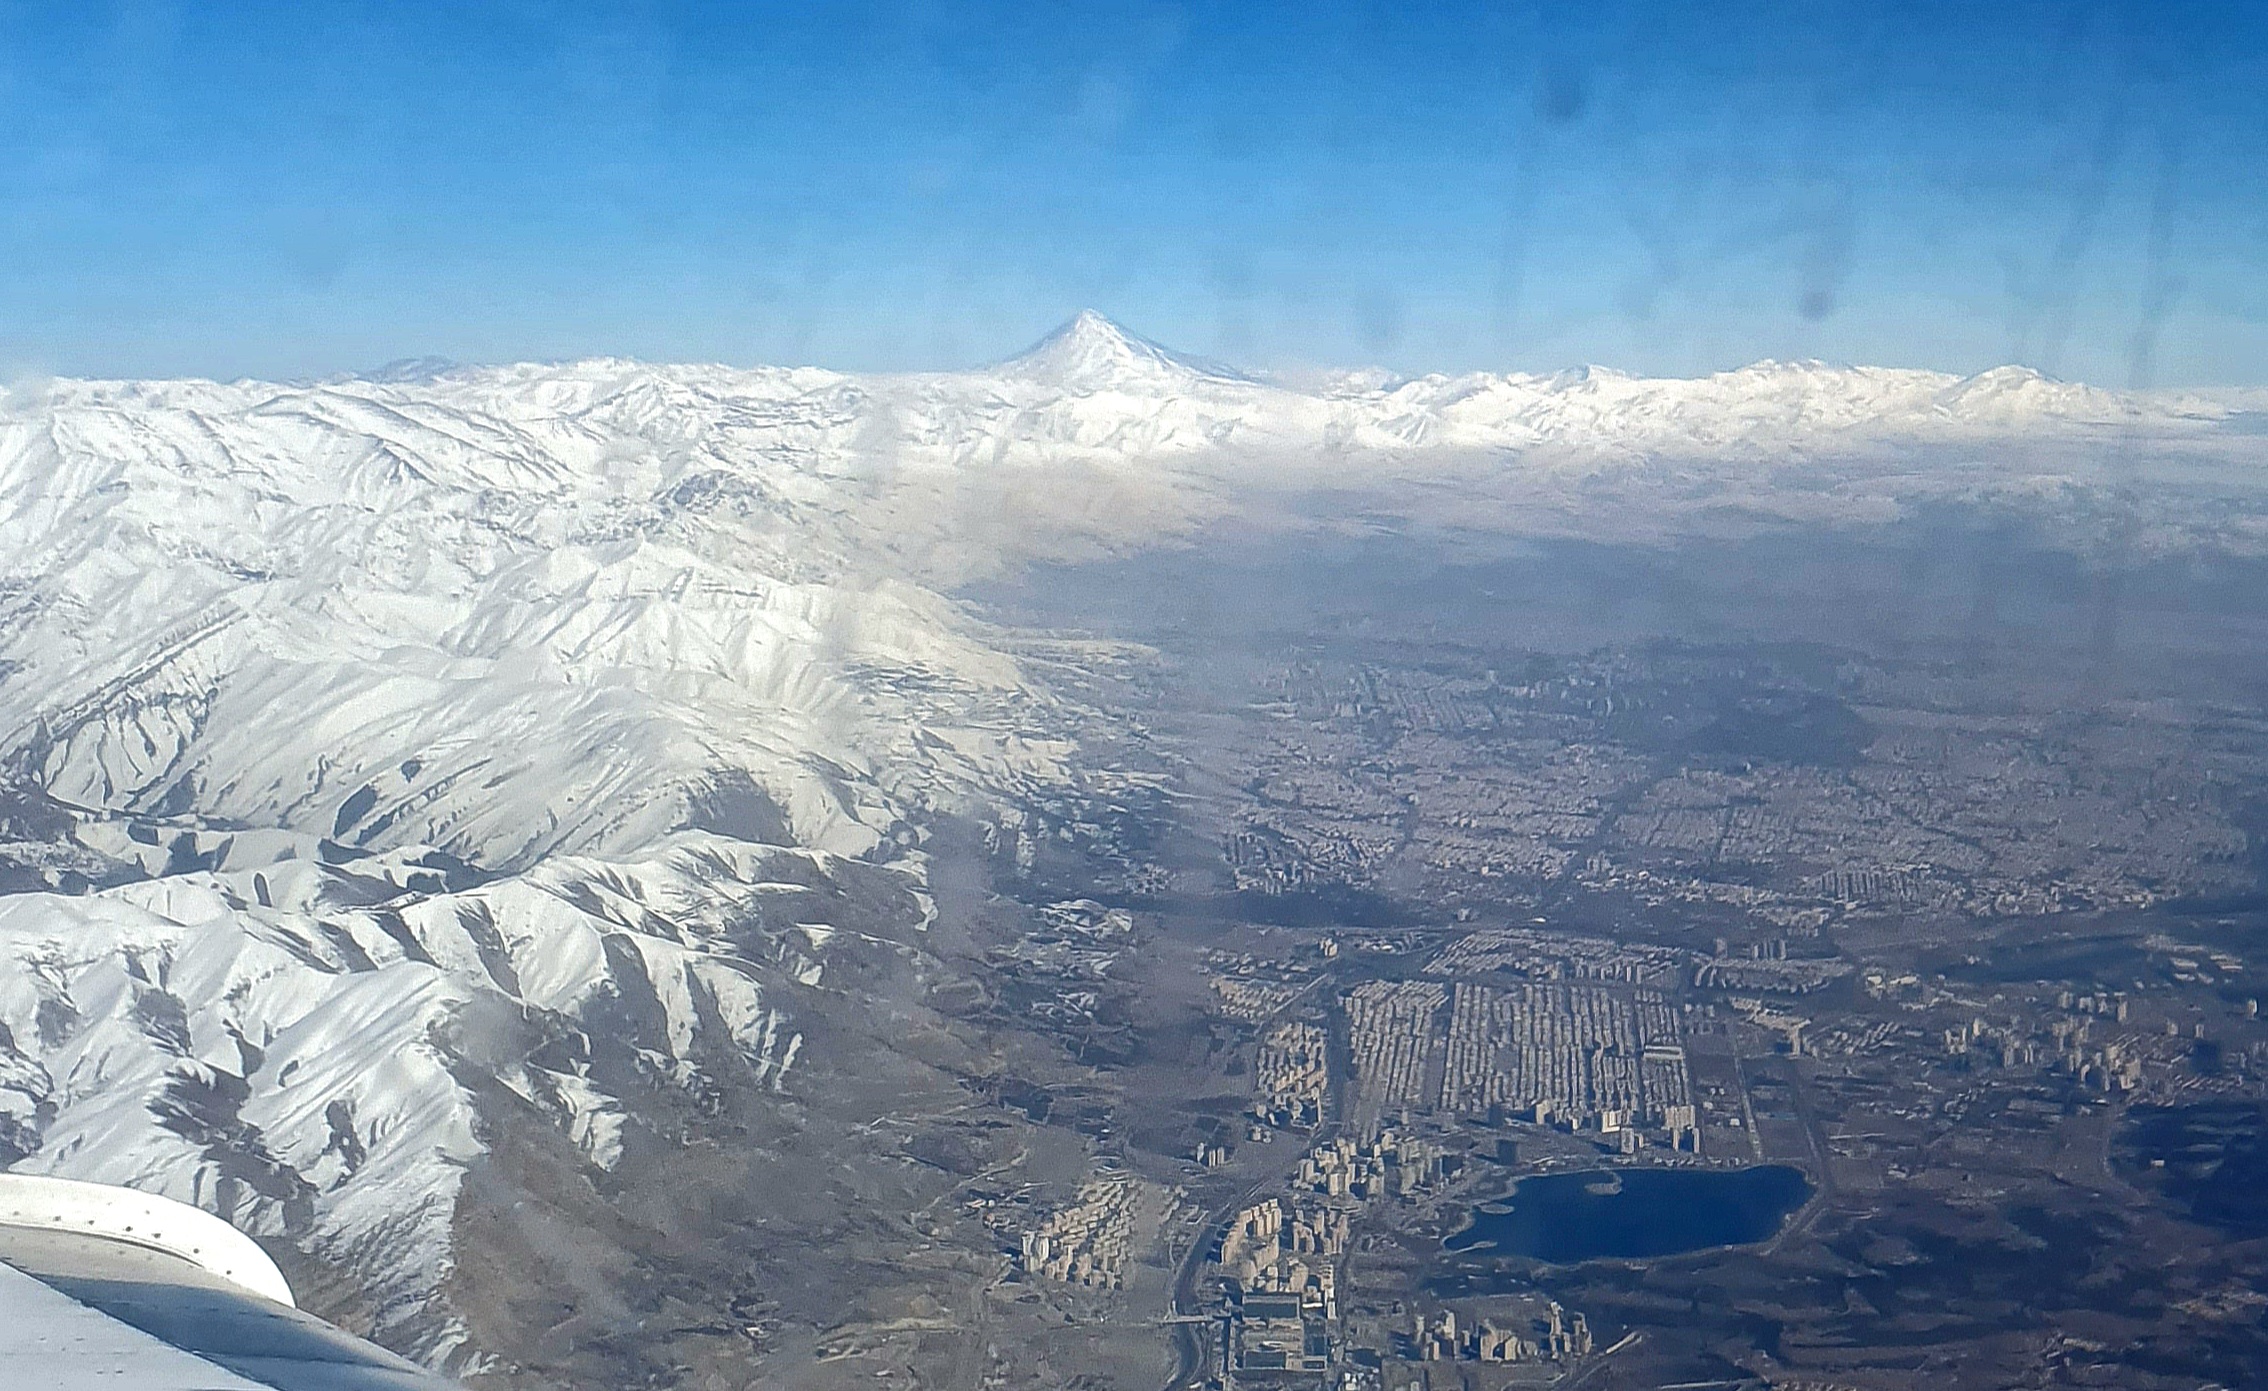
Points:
[(1305, 700)]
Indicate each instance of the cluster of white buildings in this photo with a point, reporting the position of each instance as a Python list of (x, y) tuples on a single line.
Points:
[(1387, 1166), (1556, 956), (1088, 1241), (1248, 989), (1558, 1336), (1275, 1247), (1778, 974), (1293, 1072), (1766, 1015)]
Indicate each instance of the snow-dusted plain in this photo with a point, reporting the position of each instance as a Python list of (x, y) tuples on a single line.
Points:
[(340, 716)]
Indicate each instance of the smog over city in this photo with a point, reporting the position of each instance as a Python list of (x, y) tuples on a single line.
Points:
[(1138, 698)]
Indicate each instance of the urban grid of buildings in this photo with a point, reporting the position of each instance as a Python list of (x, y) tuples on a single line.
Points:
[(1578, 1056)]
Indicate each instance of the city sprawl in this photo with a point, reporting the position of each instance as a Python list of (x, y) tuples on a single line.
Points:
[(1905, 934)]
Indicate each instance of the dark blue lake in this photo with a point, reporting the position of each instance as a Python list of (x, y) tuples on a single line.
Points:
[(1626, 1213)]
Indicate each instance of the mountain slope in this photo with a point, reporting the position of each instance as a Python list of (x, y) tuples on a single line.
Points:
[(427, 783)]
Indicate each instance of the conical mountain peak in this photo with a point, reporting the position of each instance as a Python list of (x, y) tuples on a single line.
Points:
[(1090, 353), (1091, 326)]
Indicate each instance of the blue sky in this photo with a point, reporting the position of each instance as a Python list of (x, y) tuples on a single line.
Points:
[(303, 188)]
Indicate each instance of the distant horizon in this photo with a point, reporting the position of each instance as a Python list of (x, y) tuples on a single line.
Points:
[(1292, 377), (286, 193)]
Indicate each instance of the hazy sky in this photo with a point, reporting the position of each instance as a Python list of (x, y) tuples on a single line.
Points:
[(301, 188)]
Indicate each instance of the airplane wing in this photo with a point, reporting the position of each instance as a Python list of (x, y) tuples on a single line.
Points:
[(108, 1289)]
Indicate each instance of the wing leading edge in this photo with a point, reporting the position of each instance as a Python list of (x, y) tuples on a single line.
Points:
[(108, 1288)]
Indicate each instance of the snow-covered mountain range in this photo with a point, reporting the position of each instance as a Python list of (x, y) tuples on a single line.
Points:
[(374, 739)]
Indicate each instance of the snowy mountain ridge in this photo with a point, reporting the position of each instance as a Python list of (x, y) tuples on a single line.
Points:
[(1090, 353), (378, 740)]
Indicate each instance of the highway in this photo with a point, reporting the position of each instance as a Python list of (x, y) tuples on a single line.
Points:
[(1189, 1337)]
